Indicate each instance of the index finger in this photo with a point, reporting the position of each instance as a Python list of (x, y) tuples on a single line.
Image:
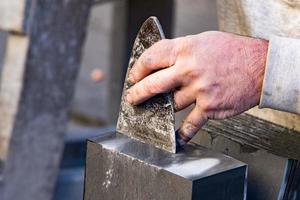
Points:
[(160, 55), (159, 82)]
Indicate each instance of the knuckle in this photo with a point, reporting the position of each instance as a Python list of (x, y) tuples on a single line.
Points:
[(202, 90), (178, 101), (150, 87), (190, 72), (182, 44), (193, 125), (211, 104), (169, 45), (219, 114), (146, 59), (140, 92), (189, 128), (210, 34), (212, 115), (135, 94), (174, 79), (203, 104), (164, 42), (177, 106)]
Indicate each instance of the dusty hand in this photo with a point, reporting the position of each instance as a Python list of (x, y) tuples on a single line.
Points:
[(221, 73)]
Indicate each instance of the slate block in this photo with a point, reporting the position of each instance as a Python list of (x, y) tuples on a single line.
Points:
[(118, 167)]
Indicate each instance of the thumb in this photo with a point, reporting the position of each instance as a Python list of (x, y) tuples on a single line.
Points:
[(190, 126)]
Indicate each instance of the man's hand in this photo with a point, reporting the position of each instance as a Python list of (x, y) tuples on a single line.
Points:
[(221, 73)]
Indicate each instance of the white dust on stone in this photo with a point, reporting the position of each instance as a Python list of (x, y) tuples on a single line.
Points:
[(108, 176)]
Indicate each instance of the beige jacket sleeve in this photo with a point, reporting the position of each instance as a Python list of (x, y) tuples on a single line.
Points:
[(281, 86)]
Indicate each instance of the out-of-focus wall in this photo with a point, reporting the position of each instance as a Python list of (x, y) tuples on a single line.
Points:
[(90, 101), (195, 16)]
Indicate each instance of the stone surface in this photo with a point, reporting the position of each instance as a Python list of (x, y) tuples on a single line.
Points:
[(153, 121), (118, 167)]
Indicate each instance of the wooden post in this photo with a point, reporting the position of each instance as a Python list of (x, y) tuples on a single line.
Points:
[(55, 37)]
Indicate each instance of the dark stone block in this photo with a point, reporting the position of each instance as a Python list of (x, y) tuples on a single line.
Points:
[(118, 167)]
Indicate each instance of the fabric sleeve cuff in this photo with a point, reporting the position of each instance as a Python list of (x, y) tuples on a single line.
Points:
[(281, 85)]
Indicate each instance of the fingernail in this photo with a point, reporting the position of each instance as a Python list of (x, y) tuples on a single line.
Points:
[(189, 130), (186, 132), (129, 98), (131, 77), (179, 140)]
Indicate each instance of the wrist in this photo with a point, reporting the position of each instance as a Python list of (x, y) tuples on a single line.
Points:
[(257, 65), (263, 51)]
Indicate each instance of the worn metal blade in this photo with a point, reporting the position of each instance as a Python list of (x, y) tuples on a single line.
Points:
[(153, 121)]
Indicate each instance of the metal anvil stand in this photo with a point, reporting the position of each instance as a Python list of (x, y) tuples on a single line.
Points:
[(118, 167)]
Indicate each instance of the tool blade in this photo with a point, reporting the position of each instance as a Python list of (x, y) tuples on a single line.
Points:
[(153, 121)]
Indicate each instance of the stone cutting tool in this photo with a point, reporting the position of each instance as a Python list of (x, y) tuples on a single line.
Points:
[(153, 121)]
